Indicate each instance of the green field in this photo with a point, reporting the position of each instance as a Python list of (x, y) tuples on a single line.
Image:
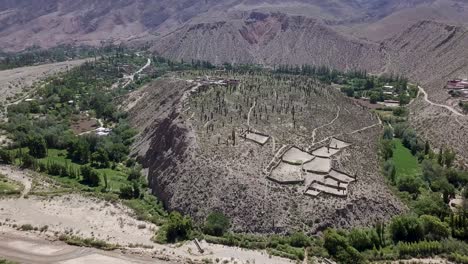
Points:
[(405, 162), (116, 177)]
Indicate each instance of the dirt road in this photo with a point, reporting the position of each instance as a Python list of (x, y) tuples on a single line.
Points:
[(131, 77), (426, 98)]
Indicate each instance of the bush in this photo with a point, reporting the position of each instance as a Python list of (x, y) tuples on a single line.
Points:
[(434, 229), (216, 224), (337, 246), (406, 229), (6, 157), (26, 227), (410, 184), (299, 239), (420, 249), (37, 146), (177, 228), (363, 239), (130, 191), (90, 176)]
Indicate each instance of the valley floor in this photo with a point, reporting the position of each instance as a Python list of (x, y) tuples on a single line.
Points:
[(89, 217)]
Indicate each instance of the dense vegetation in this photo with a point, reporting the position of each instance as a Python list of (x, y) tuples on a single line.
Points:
[(36, 55), (359, 84)]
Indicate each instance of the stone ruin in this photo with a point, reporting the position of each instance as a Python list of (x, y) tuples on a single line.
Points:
[(292, 165)]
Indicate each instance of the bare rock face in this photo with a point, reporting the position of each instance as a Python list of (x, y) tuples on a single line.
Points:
[(196, 167)]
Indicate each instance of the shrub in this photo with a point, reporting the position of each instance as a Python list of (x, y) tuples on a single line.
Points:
[(407, 229), (299, 239), (90, 176), (420, 249), (37, 146), (26, 227), (177, 228), (434, 229), (216, 224), (6, 156), (363, 239)]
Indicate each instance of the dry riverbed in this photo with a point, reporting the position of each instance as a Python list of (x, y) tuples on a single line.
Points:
[(89, 217)]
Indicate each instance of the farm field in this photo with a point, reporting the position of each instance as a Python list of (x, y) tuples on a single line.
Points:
[(406, 164)]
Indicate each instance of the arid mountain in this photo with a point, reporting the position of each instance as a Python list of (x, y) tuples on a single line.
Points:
[(46, 23), (269, 39)]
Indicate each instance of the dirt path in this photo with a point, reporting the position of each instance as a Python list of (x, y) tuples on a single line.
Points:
[(314, 132), (250, 111), (131, 78), (426, 98)]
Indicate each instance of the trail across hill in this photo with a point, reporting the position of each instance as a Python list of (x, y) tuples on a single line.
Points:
[(426, 98)]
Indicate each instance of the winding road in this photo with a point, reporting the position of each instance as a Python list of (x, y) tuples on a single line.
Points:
[(426, 98), (131, 78)]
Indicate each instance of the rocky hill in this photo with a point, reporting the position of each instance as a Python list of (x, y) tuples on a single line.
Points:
[(271, 39), (193, 141), (47, 23)]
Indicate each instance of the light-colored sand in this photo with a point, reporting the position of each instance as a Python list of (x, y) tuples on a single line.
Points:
[(87, 217), (27, 248), (260, 139), (341, 176), (325, 152), (35, 248), (96, 258), (318, 165), (338, 144), (287, 173), (297, 156), (92, 217)]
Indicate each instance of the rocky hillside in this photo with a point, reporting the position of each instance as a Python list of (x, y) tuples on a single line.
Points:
[(270, 39), (47, 23), (195, 167)]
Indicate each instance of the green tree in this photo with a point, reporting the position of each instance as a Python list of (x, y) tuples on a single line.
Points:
[(90, 176), (386, 149), (388, 133), (6, 156), (37, 146), (178, 228), (338, 246), (299, 239), (216, 224), (362, 239), (100, 158), (79, 151), (410, 184), (449, 157), (407, 229), (434, 229), (431, 203)]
